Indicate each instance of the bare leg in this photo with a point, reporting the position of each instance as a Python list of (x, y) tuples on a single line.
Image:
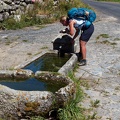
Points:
[(83, 49), (83, 52)]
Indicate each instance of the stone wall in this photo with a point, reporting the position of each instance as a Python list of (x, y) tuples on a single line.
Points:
[(12, 7)]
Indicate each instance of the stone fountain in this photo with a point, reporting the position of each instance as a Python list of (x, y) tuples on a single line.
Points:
[(19, 104)]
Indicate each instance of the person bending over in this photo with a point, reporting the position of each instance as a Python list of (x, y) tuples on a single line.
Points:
[(76, 26)]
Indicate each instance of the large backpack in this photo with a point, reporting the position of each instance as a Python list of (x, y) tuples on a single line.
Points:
[(81, 13)]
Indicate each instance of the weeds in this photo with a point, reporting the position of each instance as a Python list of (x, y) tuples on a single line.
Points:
[(95, 103), (102, 36), (108, 43), (117, 88), (25, 40), (8, 42), (92, 117), (117, 39), (50, 13), (105, 41), (72, 111), (44, 47), (29, 53)]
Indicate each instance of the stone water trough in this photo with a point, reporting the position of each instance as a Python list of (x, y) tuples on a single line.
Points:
[(18, 104)]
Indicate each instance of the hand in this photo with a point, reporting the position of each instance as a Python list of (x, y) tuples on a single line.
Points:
[(67, 30), (63, 31)]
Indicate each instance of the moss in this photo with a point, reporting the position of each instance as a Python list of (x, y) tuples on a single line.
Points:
[(117, 39), (102, 36), (31, 106), (108, 43)]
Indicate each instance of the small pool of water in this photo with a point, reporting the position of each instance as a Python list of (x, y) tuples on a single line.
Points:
[(48, 62), (32, 84)]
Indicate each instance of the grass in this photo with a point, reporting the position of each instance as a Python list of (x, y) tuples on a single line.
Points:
[(25, 40), (72, 111), (117, 39), (44, 47), (51, 11), (102, 36), (106, 41), (29, 53), (8, 42), (95, 103)]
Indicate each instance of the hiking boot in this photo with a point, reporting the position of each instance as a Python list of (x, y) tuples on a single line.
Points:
[(82, 62)]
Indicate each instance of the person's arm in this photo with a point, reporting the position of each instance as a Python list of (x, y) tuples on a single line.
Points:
[(76, 33), (71, 30), (71, 27)]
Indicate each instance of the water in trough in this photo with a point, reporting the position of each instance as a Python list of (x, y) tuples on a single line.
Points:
[(48, 62)]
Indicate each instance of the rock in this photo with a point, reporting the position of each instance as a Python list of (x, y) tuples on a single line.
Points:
[(1, 17), (20, 104)]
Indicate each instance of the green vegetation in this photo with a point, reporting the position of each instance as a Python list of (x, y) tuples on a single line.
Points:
[(109, 0), (29, 53), (95, 103), (72, 111), (25, 40), (44, 47), (8, 42), (106, 41), (102, 36), (42, 14), (117, 39), (92, 117)]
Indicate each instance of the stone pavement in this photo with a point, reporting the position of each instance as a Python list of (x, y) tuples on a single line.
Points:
[(100, 78)]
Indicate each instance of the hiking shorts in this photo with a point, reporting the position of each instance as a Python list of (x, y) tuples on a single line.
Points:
[(86, 33)]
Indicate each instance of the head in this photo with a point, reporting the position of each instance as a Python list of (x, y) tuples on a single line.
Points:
[(64, 21)]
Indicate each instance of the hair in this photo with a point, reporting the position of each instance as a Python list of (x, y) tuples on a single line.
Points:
[(63, 18)]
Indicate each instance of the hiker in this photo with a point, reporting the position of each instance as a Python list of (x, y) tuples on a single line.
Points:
[(85, 28)]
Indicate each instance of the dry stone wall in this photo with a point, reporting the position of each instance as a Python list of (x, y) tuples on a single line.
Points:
[(12, 7)]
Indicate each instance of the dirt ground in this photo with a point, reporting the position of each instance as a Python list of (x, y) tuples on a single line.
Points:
[(19, 46)]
